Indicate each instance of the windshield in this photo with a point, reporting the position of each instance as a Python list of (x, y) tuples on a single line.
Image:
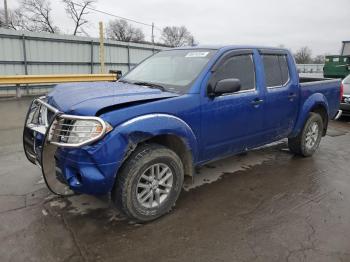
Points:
[(346, 48), (174, 70), (346, 83), (347, 80)]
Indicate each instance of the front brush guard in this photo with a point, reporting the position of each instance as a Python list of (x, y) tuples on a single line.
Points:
[(39, 151)]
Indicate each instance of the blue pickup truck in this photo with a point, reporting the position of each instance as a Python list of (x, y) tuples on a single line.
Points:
[(137, 138)]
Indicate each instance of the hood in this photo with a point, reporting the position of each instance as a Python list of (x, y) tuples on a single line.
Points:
[(89, 98)]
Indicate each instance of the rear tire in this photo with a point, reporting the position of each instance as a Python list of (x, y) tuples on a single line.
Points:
[(149, 183), (308, 140)]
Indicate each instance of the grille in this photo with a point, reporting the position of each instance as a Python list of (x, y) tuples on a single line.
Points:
[(50, 115), (40, 116), (345, 99)]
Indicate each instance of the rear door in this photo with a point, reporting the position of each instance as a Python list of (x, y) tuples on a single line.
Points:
[(282, 94), (233, 122)]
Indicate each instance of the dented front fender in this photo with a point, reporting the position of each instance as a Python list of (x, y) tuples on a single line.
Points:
[(144, 127), (104, 158)]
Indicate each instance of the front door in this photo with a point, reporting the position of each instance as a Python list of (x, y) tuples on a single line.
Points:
[(232, 122)]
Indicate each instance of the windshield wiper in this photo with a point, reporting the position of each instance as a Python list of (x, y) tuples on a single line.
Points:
[(150, 85), (124, 81)]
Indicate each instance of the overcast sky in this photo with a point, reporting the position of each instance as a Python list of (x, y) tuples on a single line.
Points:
[(321, 24)]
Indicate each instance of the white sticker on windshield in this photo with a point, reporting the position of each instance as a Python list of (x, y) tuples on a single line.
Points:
[(197, 54)]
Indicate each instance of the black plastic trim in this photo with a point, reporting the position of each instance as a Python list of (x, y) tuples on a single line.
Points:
[(268, 51)]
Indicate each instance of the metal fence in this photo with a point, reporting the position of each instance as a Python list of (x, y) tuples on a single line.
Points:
[(30, 53), (310, 68)]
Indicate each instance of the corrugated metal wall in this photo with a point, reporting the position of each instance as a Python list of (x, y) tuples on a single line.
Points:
[(41, 53), (310, 68)]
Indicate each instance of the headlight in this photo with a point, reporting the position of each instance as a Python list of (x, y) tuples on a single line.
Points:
[(84, 130), (74, 131)]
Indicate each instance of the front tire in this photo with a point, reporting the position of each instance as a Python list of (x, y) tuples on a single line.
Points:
[(308, 140), (149, 183)]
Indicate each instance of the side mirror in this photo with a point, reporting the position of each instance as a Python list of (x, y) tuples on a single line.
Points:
[(225, 86)]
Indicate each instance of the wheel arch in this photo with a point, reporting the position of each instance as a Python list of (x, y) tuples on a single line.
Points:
[(163, 129), (176, 144), (322, 111), (316, 103)]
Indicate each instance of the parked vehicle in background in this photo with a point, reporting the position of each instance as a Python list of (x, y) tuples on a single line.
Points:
[(345, 102), (338, 66), (181, 108)]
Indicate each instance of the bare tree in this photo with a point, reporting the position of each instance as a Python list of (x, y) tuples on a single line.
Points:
[(16, 20), (77, 12), (303, 55), (191, 41), (38, 16), (2, 18), (319, 59), (121, 30), (177, 36)]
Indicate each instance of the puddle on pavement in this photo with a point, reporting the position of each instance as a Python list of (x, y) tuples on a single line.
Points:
[(214, 171), (79, 204), (84, 205), (335, 132)]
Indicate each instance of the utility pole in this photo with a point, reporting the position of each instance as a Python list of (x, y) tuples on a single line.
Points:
[(153, 33), (102, 49), (6, 14)]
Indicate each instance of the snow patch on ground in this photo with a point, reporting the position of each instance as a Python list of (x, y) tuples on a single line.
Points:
[(214, 171)]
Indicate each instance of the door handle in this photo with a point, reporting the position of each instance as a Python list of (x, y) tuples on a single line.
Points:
[(257, 101), (291, 96)]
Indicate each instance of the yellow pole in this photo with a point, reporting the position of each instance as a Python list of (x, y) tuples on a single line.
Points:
[(102, 49)]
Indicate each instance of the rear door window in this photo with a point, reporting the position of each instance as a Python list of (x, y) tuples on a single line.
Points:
[(276, 70), (282, 59)]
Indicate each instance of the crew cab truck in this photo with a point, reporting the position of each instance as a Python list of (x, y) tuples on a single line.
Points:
[(138, 137)]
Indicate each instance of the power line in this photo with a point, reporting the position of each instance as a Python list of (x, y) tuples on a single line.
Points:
[(121, 17), (116, 16)]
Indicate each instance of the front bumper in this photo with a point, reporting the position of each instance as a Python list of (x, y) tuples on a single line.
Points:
[(66, 169), (345, 107)]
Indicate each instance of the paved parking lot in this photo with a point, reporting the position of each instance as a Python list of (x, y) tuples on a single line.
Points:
[(267, 205)]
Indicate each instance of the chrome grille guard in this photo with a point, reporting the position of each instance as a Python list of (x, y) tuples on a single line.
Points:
[(58, 127), (44, 128)]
